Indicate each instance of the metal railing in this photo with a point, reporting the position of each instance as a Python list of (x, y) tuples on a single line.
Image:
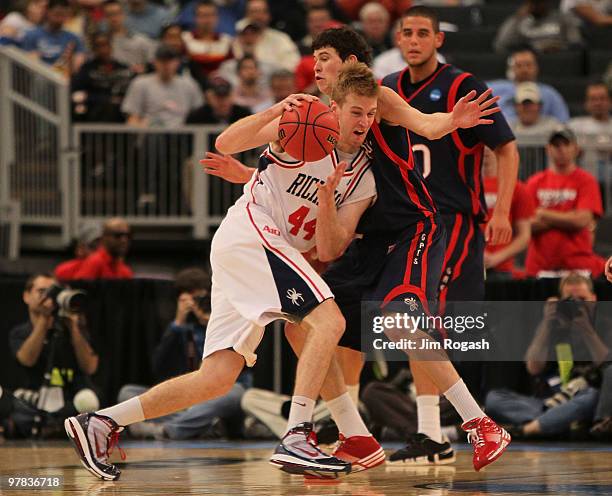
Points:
[(10, 214), (151, 177), (34, 134)]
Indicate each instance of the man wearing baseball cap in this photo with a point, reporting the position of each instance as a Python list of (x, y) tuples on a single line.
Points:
[(568, 205), (529, 118), (86, 242)]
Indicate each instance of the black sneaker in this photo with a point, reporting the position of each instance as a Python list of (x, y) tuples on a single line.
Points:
[(298, 453), (422, 450), (94, 437)]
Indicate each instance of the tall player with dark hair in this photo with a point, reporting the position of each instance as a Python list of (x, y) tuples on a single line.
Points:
[(387, 265), (452, 170)]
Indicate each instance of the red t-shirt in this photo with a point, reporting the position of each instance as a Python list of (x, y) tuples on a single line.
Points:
[(522, 207), (100, 265), (558, 249), (66, 270)]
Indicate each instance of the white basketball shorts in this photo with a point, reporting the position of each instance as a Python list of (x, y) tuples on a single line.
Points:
[(257, 277)]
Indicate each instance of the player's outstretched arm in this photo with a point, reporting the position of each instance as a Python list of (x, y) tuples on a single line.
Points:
[(227, 167), (258, 129), (335, 228), (467, 112)]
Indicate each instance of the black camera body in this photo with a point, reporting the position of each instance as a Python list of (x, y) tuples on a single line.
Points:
[(569, 308), (66, 300)]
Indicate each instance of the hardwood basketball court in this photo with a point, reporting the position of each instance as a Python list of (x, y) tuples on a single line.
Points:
[(224, 468)]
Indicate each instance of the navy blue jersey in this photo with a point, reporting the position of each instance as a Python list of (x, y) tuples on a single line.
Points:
[(452, 164), (403, 198)]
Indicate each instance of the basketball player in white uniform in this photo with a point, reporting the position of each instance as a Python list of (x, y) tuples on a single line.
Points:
[(260, 275)]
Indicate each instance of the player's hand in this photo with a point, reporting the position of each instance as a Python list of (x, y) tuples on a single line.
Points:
[(608, 269), (226, 167), (184, 306), (498, 230), (468, 112), (296, 100), (328, 188)]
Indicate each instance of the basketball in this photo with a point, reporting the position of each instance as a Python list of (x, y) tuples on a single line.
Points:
[(310, 132)]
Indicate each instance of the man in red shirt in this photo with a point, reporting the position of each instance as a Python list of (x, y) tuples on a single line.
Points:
[(107, 261), (86, 243), (568, 204), (499, 259)]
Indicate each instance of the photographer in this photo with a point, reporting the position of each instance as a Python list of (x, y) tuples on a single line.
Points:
[(565, 359), (179, 352), (54, 351)]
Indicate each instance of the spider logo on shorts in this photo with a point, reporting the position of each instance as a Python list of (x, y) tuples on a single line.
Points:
[(412, 303), (294, 296)]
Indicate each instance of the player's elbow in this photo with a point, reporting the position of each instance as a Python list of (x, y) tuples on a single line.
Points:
[(328, 255), (222, 144), (332, 252), (431, 134)]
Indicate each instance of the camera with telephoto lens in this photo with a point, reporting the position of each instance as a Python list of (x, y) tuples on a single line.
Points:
[(66, 300)]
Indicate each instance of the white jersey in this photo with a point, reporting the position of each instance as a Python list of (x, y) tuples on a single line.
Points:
[(287, 190)]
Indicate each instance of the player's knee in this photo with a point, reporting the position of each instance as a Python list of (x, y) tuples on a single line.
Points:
[(337, 325)]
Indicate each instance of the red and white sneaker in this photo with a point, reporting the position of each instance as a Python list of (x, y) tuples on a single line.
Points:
[(488, 439), (363, 452)]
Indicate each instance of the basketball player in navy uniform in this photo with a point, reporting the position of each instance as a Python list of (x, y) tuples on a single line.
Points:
[(452, 170), (399, 259)]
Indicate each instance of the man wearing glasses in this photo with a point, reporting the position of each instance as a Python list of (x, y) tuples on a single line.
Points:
[(107, 261), (56, 358)]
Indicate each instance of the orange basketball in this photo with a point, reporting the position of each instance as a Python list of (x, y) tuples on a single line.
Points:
[(310, 132)]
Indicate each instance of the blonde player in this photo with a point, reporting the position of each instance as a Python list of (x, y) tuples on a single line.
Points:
[(260, 275)]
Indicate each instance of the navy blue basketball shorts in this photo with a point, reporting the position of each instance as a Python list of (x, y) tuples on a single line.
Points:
[(398, 275), (463, 273)]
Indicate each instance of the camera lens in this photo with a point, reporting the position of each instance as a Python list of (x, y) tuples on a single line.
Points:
[(72, 300)]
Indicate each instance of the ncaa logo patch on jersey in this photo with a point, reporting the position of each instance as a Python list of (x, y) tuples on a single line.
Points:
[(435, 95)]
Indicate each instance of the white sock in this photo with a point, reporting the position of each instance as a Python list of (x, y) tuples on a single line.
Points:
[(463, 401), (126, 413), (301, 411), (428, 416), (353, 391), (347, 418)]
